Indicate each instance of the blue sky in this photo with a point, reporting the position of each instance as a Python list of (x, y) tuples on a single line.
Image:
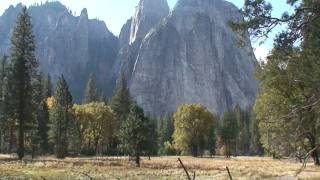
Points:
[(116, 12)]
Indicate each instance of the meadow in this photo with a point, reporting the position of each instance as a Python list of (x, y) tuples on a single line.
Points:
[(156, 168)]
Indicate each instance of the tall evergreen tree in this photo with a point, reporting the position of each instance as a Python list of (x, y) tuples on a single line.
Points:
[(47, 87), (165, 129), (120, 102), (3, 74), (43, 126), (229, 131), (60, 116), (7, 116), (91, 93), (24, 69), (152, 138), (243, 138), (133, 133)]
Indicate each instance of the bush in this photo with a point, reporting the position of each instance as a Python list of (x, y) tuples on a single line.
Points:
[(167, 149)]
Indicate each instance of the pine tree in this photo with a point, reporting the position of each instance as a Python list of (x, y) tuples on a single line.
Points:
[(43, 126), (165, 131), (60, 117), (133, 133), (3, 74), (120, 102), (24, 68), (91, 93), (7, 116), (47, 87), (243, 138), (152, 137), (229, 131)]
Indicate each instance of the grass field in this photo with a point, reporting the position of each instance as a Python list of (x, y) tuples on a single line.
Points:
[(156, 168)]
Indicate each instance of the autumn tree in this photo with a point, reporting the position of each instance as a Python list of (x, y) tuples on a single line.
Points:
[(97, 125), (192, 126)]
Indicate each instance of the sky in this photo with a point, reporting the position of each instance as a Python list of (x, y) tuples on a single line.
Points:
[(116, 12)]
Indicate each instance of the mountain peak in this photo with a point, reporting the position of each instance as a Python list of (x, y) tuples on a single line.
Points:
[(153, 5), (84, 12), (148, 13)]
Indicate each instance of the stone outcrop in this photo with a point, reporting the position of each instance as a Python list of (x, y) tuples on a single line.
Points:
[(193, 56), (74, 46)]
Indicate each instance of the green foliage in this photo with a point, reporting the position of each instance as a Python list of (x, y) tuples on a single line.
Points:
[(47, 87), (167, 149), (229, 131), (192, 126), (287, 107), (258, 19), (61, 117), (255, 145), (23, 75), (43, 127), (97, 126), (165, 132), (91, 93), (134, 133), (121, 100), (3, 113), (243, 138)]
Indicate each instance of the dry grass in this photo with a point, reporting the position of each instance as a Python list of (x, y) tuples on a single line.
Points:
[(156, 168)]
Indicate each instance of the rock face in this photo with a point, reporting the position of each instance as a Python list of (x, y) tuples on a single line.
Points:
[(188, 55), (192, 56), (66, 44), (148, 14)]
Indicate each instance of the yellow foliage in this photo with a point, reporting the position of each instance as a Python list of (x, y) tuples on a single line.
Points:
[(50, 101), (97, 123), (192, 124)]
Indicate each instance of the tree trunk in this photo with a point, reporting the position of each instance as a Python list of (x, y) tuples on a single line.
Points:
[(314, 154), (21, 138), (96, 147), (11, 139), (137, 160), (194, 150), (1, 141)]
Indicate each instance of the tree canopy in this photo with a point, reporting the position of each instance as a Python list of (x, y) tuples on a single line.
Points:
[(192, 124)]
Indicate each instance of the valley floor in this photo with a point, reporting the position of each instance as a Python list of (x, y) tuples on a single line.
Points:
[(156, 168)]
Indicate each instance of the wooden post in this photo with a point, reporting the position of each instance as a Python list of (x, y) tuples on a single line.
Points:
[(185, 170), (229, 173)]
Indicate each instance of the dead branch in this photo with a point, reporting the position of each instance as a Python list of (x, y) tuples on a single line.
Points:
[(185, 170), (306, 159), (229, 173)]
